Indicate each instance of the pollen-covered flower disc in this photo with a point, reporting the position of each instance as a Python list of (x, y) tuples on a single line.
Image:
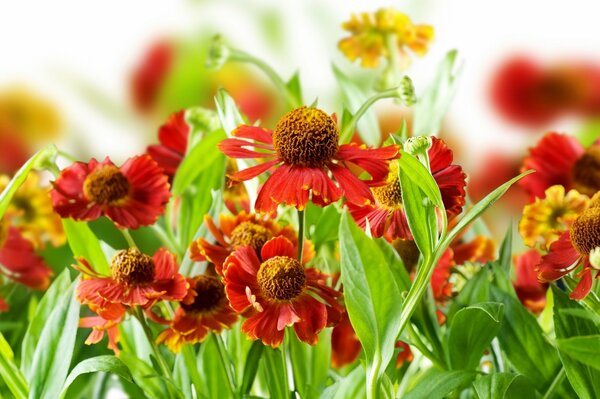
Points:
[(207, 310), (386, 215), (307, 161), (280, 292), (132, 195), (573, 249)]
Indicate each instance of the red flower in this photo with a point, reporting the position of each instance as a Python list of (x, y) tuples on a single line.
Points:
[(573, 249), (208, 310), (3, 305), (149, 76), (173, 136), (133, 195), (136, 279), (19, 261), (530, 291), (101, 325), (559, 159), (345, 346), (405, 355), (440, 279), (530, 94), (241, 230), (386, 216), (281, 293), (302, 150)]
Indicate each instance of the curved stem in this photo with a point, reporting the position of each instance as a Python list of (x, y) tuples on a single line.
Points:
[(420, 345), (129, 238), (165, 370)]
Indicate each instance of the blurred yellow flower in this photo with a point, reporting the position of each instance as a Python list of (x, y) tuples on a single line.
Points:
[(373, 36), (31, 212), (28, 115), (544, 220)]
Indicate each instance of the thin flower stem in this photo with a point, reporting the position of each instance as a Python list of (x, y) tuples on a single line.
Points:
[(129, 238), (227, 364), (288, 362), (165, 370), (67, 156), (555, 383), (300, 234), (420, 345)]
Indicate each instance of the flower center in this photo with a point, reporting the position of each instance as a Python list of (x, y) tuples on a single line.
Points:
[(211, 294), (106, 185), (390, 194), (306, 137), (585, 231), (250, 234), (3, 231), (281, 278), (131, 267), (586, 171)]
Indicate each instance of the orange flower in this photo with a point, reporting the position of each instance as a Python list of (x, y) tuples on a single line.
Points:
[(386, 215), (101, 325), (136, 280), (209, 310), (280, 292), (133, 195), (173, 136), (303, 150), (241, 230)]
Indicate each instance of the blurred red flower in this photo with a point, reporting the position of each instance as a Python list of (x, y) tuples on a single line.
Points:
[(531, 292)]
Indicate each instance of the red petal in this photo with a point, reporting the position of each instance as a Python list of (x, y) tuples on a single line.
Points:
[(584, 286), (257, 133), (278, 246), (354, 189), (561, 259)]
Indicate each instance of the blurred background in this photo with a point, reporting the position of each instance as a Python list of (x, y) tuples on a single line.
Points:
[(100, 78)]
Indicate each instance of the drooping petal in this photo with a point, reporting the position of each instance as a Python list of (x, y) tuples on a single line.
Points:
[(561, 259)]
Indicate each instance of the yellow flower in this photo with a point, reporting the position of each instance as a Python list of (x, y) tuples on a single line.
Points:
[(544, 220), (31, 212), (369, 34), (28, 115)]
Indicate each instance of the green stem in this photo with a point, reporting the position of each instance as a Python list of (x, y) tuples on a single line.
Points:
[(348, 130), (287, 361), (189, 358), (165, 370), (227, 365), (372, 377), (129, 238), (241, 56), (555, 383), (416, 341), (300, 234)]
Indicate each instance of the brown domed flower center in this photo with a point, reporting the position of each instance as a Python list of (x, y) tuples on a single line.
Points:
[(306, 137), (131, 267), (586, 171), (210, 295), (585, 231), (281, 278), (106, 185), (250, 234), (390, 194)]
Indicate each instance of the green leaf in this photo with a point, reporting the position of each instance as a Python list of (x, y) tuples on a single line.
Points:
[(49, 302), (585, 349), (354, 98), (106, 363), (477, 289), (522, 340), (15, 381), (571, 332), (294, 86), (372, 296), (191, 364), (229, 114), (54, 351), (251, 367), (273, 370), (431, 107), (311, 377), (436, 384), (350, 386), (85, 244), (40, 158), (480, 207), (213, 374), (420, 176), (503, 385), (471, 333), (145, 377)]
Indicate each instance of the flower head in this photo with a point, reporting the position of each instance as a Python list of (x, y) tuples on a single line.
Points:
[(173, 136), (303, 150), (531, 292), (546, 219), (148, 77), (31, 212), (208, 310), (370, 32), (243, 229), (573, 249), (136, 280), (386, 215), (559, 159), (280, 292), (109, 324), (132, 195)]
